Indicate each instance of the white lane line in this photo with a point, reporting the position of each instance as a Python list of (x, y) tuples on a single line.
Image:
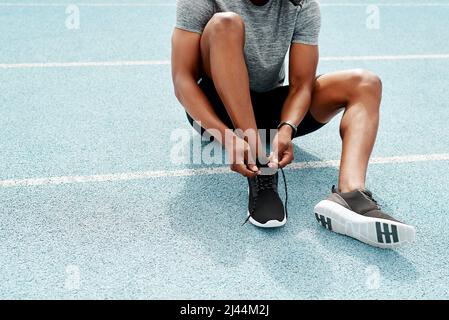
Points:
[(86, 4), (389, 57), (83, 64), (386, 4), (145, 175), (167, 62), (144, 4)]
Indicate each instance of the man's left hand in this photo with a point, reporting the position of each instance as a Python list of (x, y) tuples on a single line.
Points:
[(282, 148)]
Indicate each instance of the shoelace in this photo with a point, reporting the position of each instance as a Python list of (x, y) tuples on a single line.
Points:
[(367, 193), (370, 196), (265, 184)]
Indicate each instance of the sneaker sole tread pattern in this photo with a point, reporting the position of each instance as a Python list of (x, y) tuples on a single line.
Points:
[(381, 233)]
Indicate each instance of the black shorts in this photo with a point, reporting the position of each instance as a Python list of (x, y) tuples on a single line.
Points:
[(267, 108)]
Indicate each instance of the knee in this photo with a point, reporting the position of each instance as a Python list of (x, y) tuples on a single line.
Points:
[(227, 24), (365, 82)]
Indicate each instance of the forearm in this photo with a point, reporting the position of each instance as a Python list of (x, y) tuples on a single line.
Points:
[(296, 105), (199, 108)]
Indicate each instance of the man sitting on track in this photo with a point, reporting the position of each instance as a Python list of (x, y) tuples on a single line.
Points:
[(228, 72)]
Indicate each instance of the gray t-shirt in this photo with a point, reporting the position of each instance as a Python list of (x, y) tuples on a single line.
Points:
[(270, 29)]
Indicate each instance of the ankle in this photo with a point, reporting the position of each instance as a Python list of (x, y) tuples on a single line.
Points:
[(345, 187)]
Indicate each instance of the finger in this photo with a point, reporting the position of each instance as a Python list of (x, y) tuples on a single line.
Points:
[(273, 165), (244, 171), (251, 166), (274, 160), (251, 162), (254, 168), (286, 159)]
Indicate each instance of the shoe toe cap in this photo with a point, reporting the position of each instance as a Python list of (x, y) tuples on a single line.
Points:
[(269, 208)]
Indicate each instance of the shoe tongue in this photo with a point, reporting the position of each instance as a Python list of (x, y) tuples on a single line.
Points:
[(367, 192), (369, 196), (266, 182)]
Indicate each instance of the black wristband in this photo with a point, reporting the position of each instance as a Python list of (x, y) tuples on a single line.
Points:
[(291, 125)]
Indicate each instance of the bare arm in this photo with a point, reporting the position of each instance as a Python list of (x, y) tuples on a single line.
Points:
[(303, 65)]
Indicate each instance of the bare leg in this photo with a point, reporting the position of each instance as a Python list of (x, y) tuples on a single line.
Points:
[(359, 94), (222, 51)]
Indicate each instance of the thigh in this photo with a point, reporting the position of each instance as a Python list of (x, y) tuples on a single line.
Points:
[(205, 50), (331, 94), (227, 22)]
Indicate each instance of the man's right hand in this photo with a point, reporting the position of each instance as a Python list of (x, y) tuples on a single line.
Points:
[(242, 158)]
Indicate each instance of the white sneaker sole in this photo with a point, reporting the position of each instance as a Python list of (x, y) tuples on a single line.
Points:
[(268, 225), (376, 232)]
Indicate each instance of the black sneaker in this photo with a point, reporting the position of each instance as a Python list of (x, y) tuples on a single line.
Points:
[(265, 207), (357, 215)]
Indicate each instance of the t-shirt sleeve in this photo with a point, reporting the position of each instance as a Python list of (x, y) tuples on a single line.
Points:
[(308, 23), (193, 15)]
